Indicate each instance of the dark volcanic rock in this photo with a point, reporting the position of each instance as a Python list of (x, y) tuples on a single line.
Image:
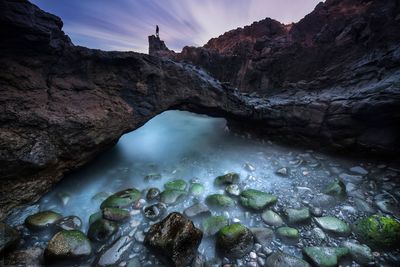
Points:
[(330, 80), (174, 240)]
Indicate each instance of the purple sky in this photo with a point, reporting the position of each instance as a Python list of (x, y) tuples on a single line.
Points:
[(125, 24)]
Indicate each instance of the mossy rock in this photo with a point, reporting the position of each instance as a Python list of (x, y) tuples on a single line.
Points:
[(227, 179), (153, 194), (280, 259), (295, 216), (255, 199), (287, 232), (95, 216), (337, 189), (121, 199), (325, 256), (196, 189), (115, 214), (66, 245), (333, 225), (219, 201), (234, 241), (378, 231), (101, 230), (211, 225), (271, 218), (172, 196), (42, 220), (176, 185)]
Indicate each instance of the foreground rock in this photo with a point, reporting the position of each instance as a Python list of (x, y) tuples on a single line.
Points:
[(121, 199), (378, 231), (101, 230), (114, 254), (280, 259), (256, 200), (361, 254), (174, 240), (9, 237), (68, 245), (333, 225), (219, 201), (234, 241), (325, 256)]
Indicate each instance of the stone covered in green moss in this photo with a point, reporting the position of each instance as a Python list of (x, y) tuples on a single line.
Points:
[(287, 232), (255, 199), (42, 220), (325, 256), (101, 230), (378, 231), (121, 199), (68, 245), (295, 216), (333, 225), (337, 188), (95, 216), (172, 196), (115, 214), (226, 179), (219, 201), (211, 225), (196, 189), (234, 241), (178, 184), (271, 218)]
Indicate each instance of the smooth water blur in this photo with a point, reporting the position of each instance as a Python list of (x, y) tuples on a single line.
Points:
[(182, 145)]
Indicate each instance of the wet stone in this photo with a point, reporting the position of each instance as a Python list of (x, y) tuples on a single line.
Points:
[(101, 230), (361, 254), (94, 217), (233, 190), (255, 199), (153, 194), (356, 179), (315, 211), (101, 196), (359, 170), (323, 201), (249, 167), (325, 256), (227, 179), (152, 176), (174, 240), (115, 253), (333, 225), (172, 196), (155, 211), (337, 189), (219, 201), (363, 205), (234, 241), (282, 172), (115, 214), (196, 189), (197, 210), (42, 220), (388, 205), (178, 184), (287, 232), (66, 245), (318, 235), (69, 223), (280, 259), (271, 218), (211, 225), (262, 235), (296, 216), (378, 231), (64, 198), (121, 199), (9, 237)]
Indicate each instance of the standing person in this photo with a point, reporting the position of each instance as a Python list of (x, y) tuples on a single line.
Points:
[(157, 31)]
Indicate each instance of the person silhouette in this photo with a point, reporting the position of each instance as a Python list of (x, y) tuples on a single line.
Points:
[(157, 31)]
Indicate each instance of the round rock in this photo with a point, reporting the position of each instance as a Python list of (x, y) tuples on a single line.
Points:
[(68, 245), (42, 220)]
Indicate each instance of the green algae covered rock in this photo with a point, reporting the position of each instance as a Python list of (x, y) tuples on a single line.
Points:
[(378, 231), (255, 199), (172, 196), (121, 199), (196, 189), (337, 188), (219, 201), (95, 216), (234, 241), (333, 225), (287, 232), (295, 216), (42, 220), (67, 245), (115, 214), (101, 230), (211, 225), (325, 256), (176, 185), (226, 179)]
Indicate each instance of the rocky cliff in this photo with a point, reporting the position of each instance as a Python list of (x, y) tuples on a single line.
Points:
[(61, 105)]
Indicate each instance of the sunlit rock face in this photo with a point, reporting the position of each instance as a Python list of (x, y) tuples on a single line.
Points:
[(62, 104)]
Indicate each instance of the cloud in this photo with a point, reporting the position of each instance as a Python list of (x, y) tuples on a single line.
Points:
[(125, 24)]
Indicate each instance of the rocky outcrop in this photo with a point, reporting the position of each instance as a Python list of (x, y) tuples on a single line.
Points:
[(61, 105), (157, 47)]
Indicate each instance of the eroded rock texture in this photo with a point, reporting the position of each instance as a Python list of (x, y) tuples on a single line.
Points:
[(60, 104)]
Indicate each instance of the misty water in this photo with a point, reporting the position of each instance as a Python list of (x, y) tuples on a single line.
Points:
[(197, 148)]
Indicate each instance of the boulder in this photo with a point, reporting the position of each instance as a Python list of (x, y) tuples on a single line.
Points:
[(174, 240), (234, 241), (68, 245)]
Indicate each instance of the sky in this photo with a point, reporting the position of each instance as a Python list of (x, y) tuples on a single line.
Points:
[(124, 25)]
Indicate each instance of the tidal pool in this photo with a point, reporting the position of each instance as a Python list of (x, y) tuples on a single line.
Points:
[(197, 149)]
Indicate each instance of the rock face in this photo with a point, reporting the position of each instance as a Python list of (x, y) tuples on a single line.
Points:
[(157, 47), (174, 240), (61, 105)]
